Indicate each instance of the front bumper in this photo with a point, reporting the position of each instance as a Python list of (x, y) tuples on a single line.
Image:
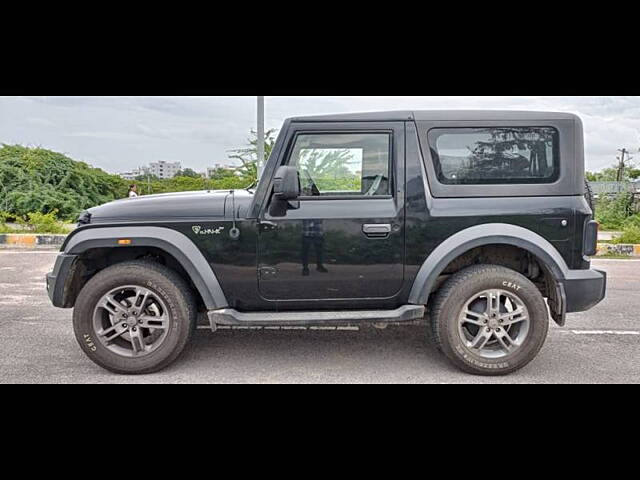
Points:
[(57, 280), (584, 289)]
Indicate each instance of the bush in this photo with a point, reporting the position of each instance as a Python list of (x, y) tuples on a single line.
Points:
[(35, 222), (613, 214), (190, 184), (632, 221), (42, 223), (4, 216), (39, 180), (630, 235)]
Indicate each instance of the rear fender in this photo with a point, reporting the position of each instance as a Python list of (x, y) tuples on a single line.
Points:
[(478, 236)]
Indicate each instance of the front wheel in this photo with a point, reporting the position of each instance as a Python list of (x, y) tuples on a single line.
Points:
[(134, 317), (489, 320)]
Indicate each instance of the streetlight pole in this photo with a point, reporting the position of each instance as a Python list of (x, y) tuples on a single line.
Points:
[(260, 132)]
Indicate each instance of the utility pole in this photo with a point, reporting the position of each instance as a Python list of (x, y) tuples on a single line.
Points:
[(621, 166), (623, 152), (260, 144)]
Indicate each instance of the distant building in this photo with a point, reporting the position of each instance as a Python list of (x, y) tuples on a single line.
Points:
[(133, 174), (164, 169)]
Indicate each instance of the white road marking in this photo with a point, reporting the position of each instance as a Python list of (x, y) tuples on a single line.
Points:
[(605, 260), (356, 329), (604, 332), (15, 299), (25, 252)]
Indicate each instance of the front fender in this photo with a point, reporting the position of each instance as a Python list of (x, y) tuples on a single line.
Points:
[(478, 236), (174, 243)]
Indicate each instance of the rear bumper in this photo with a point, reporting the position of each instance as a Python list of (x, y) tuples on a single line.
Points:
[(584, 289), (57, 279)]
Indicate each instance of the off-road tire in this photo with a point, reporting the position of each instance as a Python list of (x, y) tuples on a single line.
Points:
[(164, 282), (450, 300)]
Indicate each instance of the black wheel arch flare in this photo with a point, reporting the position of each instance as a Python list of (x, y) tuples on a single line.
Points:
[(174, 243)]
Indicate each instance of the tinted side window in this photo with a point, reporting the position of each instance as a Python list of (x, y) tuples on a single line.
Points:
[(343, 164), (514, 155)]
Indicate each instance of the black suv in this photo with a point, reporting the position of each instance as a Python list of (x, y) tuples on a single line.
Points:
[(468, 219)]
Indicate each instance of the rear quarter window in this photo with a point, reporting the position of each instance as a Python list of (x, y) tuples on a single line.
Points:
[(495, 155)]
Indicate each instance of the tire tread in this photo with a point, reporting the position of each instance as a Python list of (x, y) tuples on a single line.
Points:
[(450, 287), (183, 291)]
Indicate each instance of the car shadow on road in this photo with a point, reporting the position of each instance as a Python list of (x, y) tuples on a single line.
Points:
[(396, 354)]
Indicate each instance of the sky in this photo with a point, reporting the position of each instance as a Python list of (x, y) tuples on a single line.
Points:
[(118, 134)]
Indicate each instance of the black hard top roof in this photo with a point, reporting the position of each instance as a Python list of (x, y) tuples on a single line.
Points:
[(438, 115)]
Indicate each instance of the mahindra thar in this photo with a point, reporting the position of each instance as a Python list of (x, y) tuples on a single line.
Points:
[(478, 222)]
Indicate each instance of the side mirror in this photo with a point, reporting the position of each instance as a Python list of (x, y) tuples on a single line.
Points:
[(286, 184), (286, 191)]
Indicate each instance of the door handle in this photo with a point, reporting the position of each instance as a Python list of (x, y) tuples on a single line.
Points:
[(376, 230)]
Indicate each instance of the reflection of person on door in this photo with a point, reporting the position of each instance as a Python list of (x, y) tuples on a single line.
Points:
[(313, 235)]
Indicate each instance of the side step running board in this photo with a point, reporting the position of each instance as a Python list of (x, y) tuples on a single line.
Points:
[(229, 316)]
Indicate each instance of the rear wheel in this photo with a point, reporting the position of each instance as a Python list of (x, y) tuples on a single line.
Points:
[(489, 320), (134, 317)]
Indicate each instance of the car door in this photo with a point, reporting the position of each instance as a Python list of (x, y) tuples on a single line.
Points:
[(346, 240)]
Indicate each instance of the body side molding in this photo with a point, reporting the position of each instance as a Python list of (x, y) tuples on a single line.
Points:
[(477, 236), (175, 243)]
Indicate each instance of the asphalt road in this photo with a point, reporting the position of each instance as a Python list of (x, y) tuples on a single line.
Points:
[(37, 344)]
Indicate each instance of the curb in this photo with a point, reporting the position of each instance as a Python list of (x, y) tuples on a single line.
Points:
[(21, 240), (628, 250)]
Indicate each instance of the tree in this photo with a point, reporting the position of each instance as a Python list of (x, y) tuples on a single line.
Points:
[(187, 172), (592, 176), (146, 178), (321, 164), (222, 173), (37, 180), (496, 158), (328, 170), (249, 156), (611, 174)]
